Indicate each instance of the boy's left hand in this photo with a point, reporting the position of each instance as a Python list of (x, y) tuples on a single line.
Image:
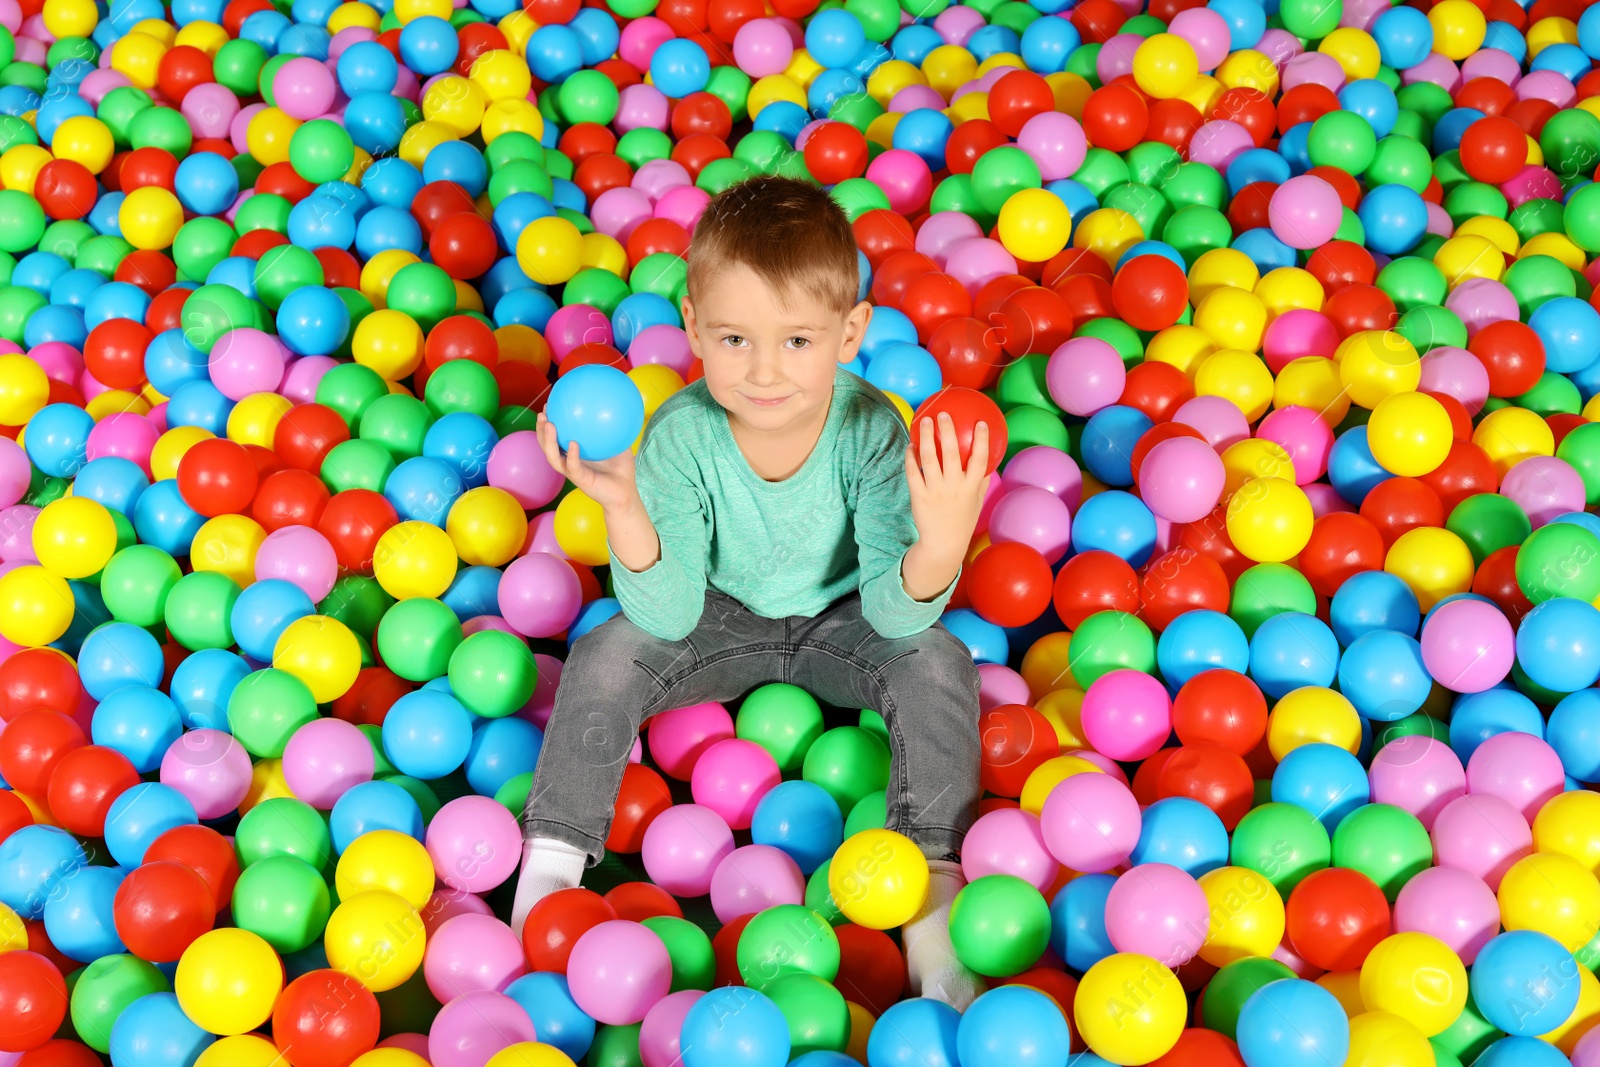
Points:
[(945, 499)]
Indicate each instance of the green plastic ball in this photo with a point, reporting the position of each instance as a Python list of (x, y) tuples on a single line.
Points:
[(1109, 641), (694, 965), (818, 1017), (1281, 842), (999, 925), (492, 673), (1385, 843), (849, 763), (284, 826), (198, 608), (1231, 986), (417, 639), (462, 385), (1488, 522), (784, 940), (282, 270), (423, 291), (1269, 589), (398, 423), (1342, 139), (22, 221), (136, 583), (1558, 559), (357, 465), (588, 96), (350, 389), (266, 707), (104, 988), (783, 719), (283, 901)]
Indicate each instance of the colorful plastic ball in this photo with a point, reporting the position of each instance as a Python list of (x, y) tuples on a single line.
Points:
[(1101, 1013), (752, 1031), (1292, 1021), (597, 408), (227, 981)]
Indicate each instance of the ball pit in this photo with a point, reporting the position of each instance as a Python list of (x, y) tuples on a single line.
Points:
[(1286, 596)]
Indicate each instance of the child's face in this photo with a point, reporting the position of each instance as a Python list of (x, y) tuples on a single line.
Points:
[(769, 361)]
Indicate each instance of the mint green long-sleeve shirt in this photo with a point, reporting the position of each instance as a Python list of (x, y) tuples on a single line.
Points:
[(839, 524)]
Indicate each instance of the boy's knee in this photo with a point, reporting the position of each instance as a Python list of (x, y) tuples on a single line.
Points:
[(941, 660)]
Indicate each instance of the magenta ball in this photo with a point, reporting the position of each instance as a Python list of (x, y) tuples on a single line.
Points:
[(731, 777), (539, 595), (470, 953), (324, 758), (1084, 375), (1305, 435), (1009, 841), (1483, 835), (1159, 911), (1048, 468), (1091, 822), (1468, 646), (211, 769), (753, 878), (517, 465), (1418, 773), (247, 360), (1055, 142), (474, 1026), (475, 843), (904, 178), (1035, 517), (1305, 212), (1544, 487), (617, 971), (300, 556), (304, 88), (663, 1023), (682, 848), (1181, 479), (1126, 715), (1519, 768), (1297, 333), (1451, 904), (679, 736)]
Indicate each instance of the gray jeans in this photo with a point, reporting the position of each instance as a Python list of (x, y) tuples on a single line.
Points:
[(925, 686)]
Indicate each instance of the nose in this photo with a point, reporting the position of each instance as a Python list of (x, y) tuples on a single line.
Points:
[(765, 369)]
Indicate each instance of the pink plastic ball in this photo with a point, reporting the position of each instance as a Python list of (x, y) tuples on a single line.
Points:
[(1468, 646), (1034, 517), (1545, 487), (1481, 834), (125, 434), (574, 325), (618, 212), (539, 706), (1126, 715), (1084, 375), (471, 953), (658, 1035), (999, 684), (1009, 841), (1458, 373), (762, 47), (1219, 420), (1159, 911), (1305, 435), (683, 205), (15, 472), (246, 361), (211, 769), (682, 848), (475, 843), (753, 878), (663, 344), (1418, 773), (517, 465), (680, 736), (474, 1026), (324, 758), (301, 556), (1090, 822), (1451, 904), (300, 381), (1219, 142), (942, 231), (1296, 333), (304, 88), (904, 178), (1305, 212), (1055, 142), (1048, 468), (1181, 479), (640, 39), (731, 777), (1207, 33), (539, 595), (658, 176), (1519, 768), (977, 261), (617, 972), (445, 904)]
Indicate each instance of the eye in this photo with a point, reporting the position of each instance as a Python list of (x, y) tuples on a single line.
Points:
[(733, 340), (798, 343)]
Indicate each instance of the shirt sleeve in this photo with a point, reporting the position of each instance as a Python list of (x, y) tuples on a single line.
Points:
[(667, 598), (884, 532)]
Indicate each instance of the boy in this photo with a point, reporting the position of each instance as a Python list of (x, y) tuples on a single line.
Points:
[(779, 526)]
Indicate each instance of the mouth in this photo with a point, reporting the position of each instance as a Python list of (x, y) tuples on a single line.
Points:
[(766, 401)]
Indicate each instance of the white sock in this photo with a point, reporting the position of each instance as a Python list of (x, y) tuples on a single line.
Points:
[(548, 865), (930, 957)]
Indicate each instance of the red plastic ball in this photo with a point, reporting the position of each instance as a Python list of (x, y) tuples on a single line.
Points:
[(968, 352), (461, 337), (325, 1018), (557, 921), (352, 522), (1017, 97), (1094, 581), (1496, 578), (1341, 263), (725, 949), (895, 275), (33, 1000), (968, 143), (872, 972), (60, 1052), (1250, 108), (1016, 739), (1357, 307), (1512, 354), (65, 189), (148, 167), (1173, 123), (1306, 102), (1494, 149), (218, 477), (33, 744), (1150, 292), (463, 246), (1335, 917), (1342, 544), (160, 908), (1180, 581), (1115, 117), (289, 498), (702, 112), (150, 270), (1035, 319), (204, 851), (1220, 707), (306, 434), (836, 151), (966, 408), (114, 353), (1213, 775), (1009, 584), (38, 678), (694, 152), (85, 783), (880, 233), (932, 299), (1157, 389), (436, 202), (1201, 1048), (1397, 505), (643, 796), (638, 901), (656, 235), (367, 701), (1209, 537), (14, 814)]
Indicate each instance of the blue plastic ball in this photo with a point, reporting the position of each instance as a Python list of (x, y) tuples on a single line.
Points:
[(1371, 601), (501, 749), (119, 654), (206, 183), (1199, 641), (428, 45), (1574, 732), (139, 722), (557, 1019), (113, 481), (734, 1026), (57, 439), (202, 684), (374, 805), (1525, 983), (1476, 717), (1558, 644), (1323, 779), (1184, 833), (142, 814), (423, 488), (1293, 1023), (1404, 36), (1570, 331), (161, 518), (1383, 675), (33, 860), (1394, 217), (263, 611), (1118, 523), (908, 371), (1291, 650), (1109, 439), (462, 441), (1078, 921), (915, 1033), (834, 37), (427, 734), (598, 407), (153, 1031), (986, 641), (679, 67), (78, 914), (802, 819)]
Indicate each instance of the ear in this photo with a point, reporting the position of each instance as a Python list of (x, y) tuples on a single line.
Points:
[(855, 331), (691, 328)]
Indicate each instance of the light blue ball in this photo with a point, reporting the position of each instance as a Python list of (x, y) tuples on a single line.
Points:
[(597, 406)]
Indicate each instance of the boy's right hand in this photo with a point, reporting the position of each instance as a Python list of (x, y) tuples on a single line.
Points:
[(609, 483)]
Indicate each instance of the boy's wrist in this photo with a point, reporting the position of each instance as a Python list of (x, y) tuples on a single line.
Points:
[(629, 507)]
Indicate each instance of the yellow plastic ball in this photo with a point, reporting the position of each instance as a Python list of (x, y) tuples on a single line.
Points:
[(13, 932), (1465, 257), (1354, 50), (266, 783), (1183, 346), (530, 1054), (455, 103), (605, 252), (656, 383), (1164, 64), (171, 446), (84, 139), (1558, 246), (406, 10), (376, 937), (1063, 710), (1498, 231), (1374, 364), (1220, 268), (487, 527), (1045, 666), (210, 37), (802, 68), (1108, 232), (268, 135), (1312, 382), (137, 56), (1435, 563), (878, 879), (1130, 1008), (1553, 894), (70, 18), (1043, 779), (890, 77), (228, 544), (74, 537), (150, 218), (1239, 377), (24, 389), (1289, 289), (420, 139), (1410, 434), (20, 166), (1269, 520), (1312, 715), (1383, 1039), (1247, 916), (414, 559), (861, 1024), (254, 420), (948, 68), (227, 981), (1569, 823), (1034, 225), (1254, 457), (580, 529), (1071, 92), (390, 343), (1512, 435), (1459, 28), (241, 1050), (1249, 69), (388, 1057), (1234, 318), (772, 89), (511, 116), (550, 250), (1417, 977), (388, 860), (322, 653), (115, 402)]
